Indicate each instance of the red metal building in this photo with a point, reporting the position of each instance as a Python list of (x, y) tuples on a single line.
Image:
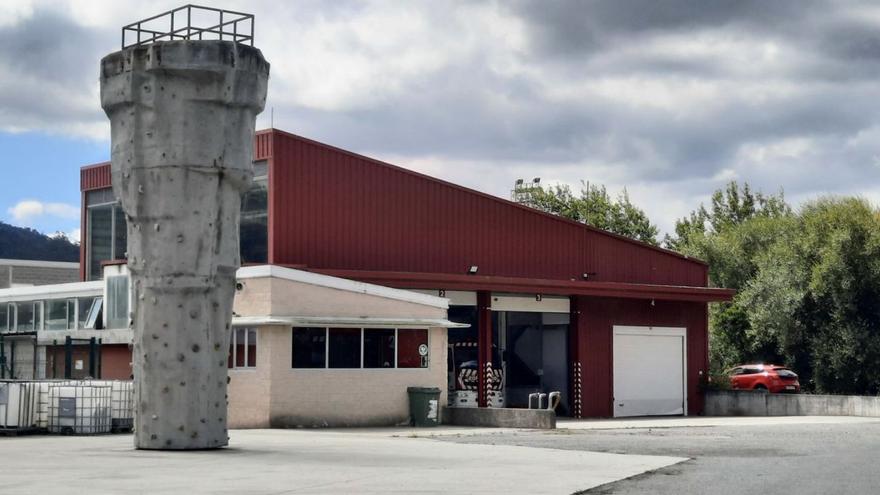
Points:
[(339, 213)]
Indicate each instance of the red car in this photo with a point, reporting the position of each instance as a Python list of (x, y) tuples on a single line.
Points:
[(764, 377)]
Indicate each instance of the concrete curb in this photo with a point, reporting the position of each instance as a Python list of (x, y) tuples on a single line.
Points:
[(540, 419), (752, 403)]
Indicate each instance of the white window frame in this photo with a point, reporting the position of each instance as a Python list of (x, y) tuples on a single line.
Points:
[(232, 342)]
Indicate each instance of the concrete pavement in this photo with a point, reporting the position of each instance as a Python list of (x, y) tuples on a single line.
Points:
[(308, 461), (729, 456)]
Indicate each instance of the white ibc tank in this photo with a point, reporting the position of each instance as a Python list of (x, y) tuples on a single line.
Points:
[(17, 405), (79, 408), (122, 405)]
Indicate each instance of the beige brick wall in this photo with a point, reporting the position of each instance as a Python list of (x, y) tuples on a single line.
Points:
[(279, 297), (249, 389), (278, 396)]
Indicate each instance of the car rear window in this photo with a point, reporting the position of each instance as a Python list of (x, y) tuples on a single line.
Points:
[(785, 373)]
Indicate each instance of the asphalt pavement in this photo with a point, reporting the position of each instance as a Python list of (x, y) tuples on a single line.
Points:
[(762, 455)]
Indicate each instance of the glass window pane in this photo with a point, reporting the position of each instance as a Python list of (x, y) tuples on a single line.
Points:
[(251, 348), (71, 314), (85, 304), (410, 347), (99, 197), (26, 316), (309, 348), (379, 348), (117, 301), (254, 232), (240, 351), (261, 169), (100, 226), (56, 315), (4, 317), (120, 234), (345, 347), (93, 315)]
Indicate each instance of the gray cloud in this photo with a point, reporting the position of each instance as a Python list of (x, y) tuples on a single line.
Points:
[(49, 67), (669, 99)]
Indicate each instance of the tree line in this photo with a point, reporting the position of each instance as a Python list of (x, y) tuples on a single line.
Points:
[(807, 280), (28, 244)]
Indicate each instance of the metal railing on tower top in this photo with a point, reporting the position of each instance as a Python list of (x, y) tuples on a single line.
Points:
[(191, 22)]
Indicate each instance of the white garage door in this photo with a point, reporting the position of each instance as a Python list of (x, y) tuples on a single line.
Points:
[(649, 364)]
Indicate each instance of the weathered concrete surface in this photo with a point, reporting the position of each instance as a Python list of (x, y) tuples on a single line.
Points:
[(500, 418), (308, 461), (182, 116), (751, 403)]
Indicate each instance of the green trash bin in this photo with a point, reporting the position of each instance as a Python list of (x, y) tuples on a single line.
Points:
[(424, 406)]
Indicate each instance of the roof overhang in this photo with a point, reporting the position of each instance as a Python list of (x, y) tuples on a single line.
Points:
[(332, 321), (412, 280), (358, 287), (56, 291)]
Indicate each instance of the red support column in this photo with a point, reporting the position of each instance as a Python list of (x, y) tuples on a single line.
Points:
[(484, 347), (574, 359)]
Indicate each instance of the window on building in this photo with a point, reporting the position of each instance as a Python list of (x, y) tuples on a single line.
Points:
[(379, 348), (345, 347), (243, 349), (254, 238), (117, 301), (359, 348), (90, 312), (107, 231), (309, 348), (60, 314), (5, 317), (83, 306), (412, 350), (28, 316)]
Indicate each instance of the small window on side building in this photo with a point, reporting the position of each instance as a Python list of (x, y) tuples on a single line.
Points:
[(243, 349), (345, 348), (379, 348), (309, 348)]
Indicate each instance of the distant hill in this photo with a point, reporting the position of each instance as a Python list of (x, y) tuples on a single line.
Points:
[(27, 244)]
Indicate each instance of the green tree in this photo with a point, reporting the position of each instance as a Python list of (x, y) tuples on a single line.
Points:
[(594, 206), (28, 244), (815, 296), (730, 234)]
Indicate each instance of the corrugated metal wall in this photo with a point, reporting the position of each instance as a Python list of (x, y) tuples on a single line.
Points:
[(94, 177), (337, 210), (597, 316), (334, 209)]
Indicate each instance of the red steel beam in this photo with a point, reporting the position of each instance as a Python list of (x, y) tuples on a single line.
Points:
[(484, 347), (412, 280)]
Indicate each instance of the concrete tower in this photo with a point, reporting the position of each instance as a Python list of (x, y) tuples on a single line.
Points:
[(182, 114)]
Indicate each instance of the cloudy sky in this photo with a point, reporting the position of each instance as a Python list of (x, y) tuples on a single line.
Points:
[(670, 99)]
